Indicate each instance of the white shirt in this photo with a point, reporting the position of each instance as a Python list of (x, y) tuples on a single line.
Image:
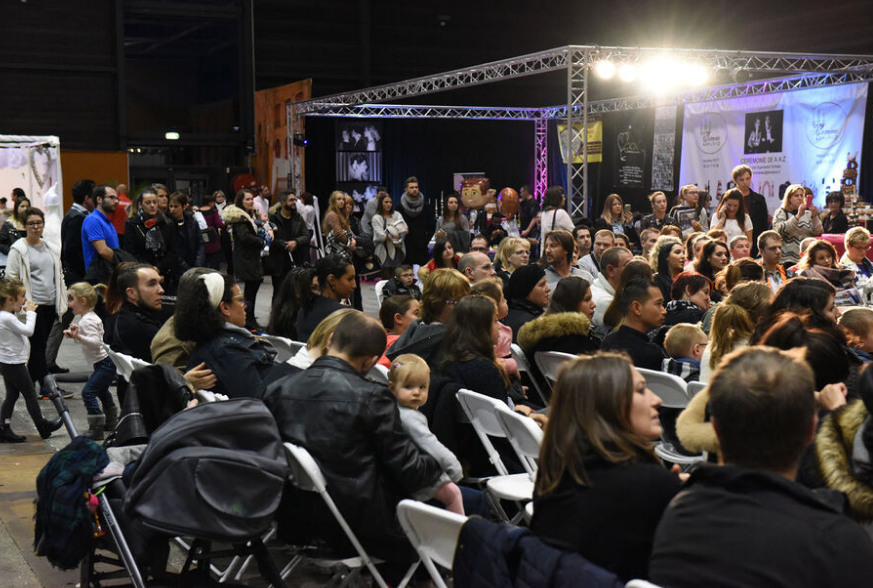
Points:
[(91, 337), (14, 337), (602, 294), (554, 220), (731, 226)]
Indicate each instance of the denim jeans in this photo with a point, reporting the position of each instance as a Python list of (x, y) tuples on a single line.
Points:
[(97, 386)]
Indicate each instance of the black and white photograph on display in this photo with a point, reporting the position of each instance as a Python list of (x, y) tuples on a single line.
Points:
[(684, 216), (763, 132), (360, 192), (358, 136), (359, 167)]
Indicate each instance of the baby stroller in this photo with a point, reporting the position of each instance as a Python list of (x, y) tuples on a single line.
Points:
[(213, 473)]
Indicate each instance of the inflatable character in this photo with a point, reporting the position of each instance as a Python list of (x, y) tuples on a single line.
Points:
[(474, 192)]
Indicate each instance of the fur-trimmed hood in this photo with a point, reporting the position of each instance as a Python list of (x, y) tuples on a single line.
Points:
[(549, 326), (834, 445), (234, 214)]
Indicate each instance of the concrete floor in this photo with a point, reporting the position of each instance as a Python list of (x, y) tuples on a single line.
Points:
[(21, 463)]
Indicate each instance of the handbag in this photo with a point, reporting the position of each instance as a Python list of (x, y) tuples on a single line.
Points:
[(333, 246)]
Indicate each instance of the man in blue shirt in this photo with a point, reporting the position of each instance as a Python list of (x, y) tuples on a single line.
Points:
[(98, 234)]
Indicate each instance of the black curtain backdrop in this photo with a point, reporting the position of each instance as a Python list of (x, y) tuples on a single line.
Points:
[(431, 150)]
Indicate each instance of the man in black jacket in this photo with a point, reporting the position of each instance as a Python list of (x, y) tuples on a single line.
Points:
[(131, 329), (352, 428), (290, 239), (642, 309), (418, 214), (754, 203), (748, 523)]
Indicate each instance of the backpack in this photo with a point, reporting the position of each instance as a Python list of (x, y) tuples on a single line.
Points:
[(64, 525), (215, 471)]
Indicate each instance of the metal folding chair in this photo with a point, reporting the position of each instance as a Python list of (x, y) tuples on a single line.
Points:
[(550, 362), (673, 392), (286, 347), (517, 353), (434, 534)]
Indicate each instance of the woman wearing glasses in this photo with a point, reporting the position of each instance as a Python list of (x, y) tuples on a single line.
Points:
[(38, 265)]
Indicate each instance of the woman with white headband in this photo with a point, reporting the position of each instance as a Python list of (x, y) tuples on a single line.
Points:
[(212, 314)]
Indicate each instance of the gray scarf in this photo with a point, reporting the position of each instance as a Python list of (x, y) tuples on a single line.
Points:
[(413, 207)]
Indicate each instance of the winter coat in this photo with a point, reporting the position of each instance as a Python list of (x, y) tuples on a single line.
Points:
[(287, 230), (239, 360), (682, 311), (521, 312), (496, 555), (18, 266), (352, 428), (189, 243), (388, 236), (131, 331), (166, 260), (568, 332), (9, 234), (424, 340), (247, 246), (843, 457), (72, 257)]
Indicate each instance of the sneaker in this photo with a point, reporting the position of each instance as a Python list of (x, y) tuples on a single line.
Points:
[(56, 369), (66, 394)]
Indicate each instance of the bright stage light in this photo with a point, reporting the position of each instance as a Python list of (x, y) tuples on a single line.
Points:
[(604, 69), (627, 72), (171, 136)]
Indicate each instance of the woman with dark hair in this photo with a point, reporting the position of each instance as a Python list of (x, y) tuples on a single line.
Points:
[(820, 262), (13, 229), (689, 299), (554, 215), (713, 258), (150, 237), (211, 312), (287, 305), (189, 245), (527, 297), (616, 219), (668, 261), (566, 324), (443, 257), (213, 256), (835, 221), (731, 216), (336, 282), (801, 295), (389, 232), (453, 225), (600, 489), (247, 247)]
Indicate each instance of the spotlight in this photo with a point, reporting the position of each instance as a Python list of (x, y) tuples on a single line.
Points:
[(604, 69), (300, 140), (171, 136), (741, 75), (693, 74), (627, 72)]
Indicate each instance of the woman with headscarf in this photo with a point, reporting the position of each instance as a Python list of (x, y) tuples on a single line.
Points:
[(528, 297)]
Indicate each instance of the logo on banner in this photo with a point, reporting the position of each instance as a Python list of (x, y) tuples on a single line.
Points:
[(711, 132), (826, 125)]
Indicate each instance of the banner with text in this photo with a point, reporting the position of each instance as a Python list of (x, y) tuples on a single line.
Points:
[(595, 141), (801, 137)]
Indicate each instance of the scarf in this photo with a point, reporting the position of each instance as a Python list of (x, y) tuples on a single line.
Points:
[(413, 207)]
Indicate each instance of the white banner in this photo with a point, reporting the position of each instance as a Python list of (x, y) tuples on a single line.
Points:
[(804, 137)]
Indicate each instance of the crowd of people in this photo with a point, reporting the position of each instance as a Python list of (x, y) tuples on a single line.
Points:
[(756, 307)]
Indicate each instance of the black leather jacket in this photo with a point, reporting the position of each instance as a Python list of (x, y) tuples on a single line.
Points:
[(351, 426)]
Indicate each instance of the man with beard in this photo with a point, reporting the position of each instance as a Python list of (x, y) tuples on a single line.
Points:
[(558, 252), (133, 298), (418, 214), (290, 239), (99, 237)]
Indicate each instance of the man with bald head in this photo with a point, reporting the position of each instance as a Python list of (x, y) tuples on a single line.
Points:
[(476, 266)]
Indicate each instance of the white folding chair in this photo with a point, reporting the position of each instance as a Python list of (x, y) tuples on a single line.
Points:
[(378, 288), (433, 532), (482, 410), (378, 373), (550, 362), (696, 387), (285, 347), (525, 436), (517, 353), (124, 364), (641, 584), (306, 475), (673, 392)]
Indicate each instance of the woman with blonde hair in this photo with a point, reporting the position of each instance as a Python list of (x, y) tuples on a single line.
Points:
[(689, 212), (659, 217), (596, 460), (335, 227), (317, 344), (616, 219), (512, 253), (794, 222)]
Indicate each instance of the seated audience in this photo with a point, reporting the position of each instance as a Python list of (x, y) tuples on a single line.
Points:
[(528, 296), (600, 489), (603, 240), (648, 239), (212, 314), (133, 301), (513, 253), (684, 344), (622, 240), (615, 218), (857, 326), (476, 266), (603, 289), (443, 257), (642, 310), (857, 242), (409, 380), (820, 262), (318, 342), (635, 269), (719, 235), (659, 217), (835, 221), (671, 231), (764, 414), (402, 284), (693, 244), (443, 289), (336, 282), (736, 272), (690, 299), (740, 247), (801, 295), (582, 236), (503, 348), (566, 324), (295, 288), (712, 259), (687, 201), (397, 314), (770, 247), (352, 428), (667, 261), (558, 257)]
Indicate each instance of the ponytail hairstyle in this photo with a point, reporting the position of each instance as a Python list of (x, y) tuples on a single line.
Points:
[(736, 318), (10, 288), (196, 318)]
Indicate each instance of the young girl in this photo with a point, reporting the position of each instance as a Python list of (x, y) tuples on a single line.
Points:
[(14, 352), (82, 299), (408, 381), (492, 288)]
